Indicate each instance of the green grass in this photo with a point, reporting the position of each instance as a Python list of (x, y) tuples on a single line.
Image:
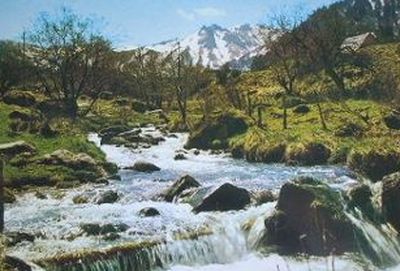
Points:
[(71, 138), (307, 128)]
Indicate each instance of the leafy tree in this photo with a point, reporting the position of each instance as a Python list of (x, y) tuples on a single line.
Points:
[(70, 58)]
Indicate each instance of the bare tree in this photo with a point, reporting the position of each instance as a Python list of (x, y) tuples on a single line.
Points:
[(322, 37), (284, 56), (69, 57)]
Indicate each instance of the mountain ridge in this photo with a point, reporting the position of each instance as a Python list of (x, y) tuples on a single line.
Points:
[(213, 46)]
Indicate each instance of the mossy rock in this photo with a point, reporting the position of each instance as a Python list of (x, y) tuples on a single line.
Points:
[(350, 130), (9, 196), (374, 164), (308, 154), (309, 219), (217, 130), (392, 120), (80, 199), (301, 109)]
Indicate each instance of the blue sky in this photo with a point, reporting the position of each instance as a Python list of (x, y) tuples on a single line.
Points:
[(141, 22)]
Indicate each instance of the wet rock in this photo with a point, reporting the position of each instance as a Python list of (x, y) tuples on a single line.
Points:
[(301, 109), (391, 199), (308, 154), (184, 183), (180, 156), (196, 152), (110, 167), (143, 166), (224, 198), (91, 229), (220, 128), (310, 219), (112, 236), (350, 130), (9, 196), (80, 199), (392, 120), (374, 164), (18, 147), (21, 98), (13, 238), (263, 196), (113, 130), (149, 212), (16, 264), (109, 196), (40, 195), (360, 197)]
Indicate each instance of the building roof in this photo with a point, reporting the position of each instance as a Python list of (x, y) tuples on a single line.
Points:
[(356, 42)]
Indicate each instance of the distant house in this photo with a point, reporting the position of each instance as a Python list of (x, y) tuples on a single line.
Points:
[(357, 42)]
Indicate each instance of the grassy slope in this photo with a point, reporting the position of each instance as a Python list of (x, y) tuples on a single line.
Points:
[(307, 127), (71, 138)]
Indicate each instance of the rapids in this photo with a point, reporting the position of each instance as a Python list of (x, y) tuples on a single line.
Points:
[(56, 220)]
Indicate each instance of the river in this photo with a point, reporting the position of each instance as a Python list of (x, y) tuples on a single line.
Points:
[(56, 220)]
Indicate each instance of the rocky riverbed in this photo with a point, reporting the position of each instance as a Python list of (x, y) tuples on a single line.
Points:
[(130, 224)]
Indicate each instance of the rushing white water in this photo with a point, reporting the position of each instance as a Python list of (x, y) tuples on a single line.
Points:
[(56, 220)]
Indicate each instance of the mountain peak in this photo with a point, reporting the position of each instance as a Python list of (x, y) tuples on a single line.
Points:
[(215, 46)]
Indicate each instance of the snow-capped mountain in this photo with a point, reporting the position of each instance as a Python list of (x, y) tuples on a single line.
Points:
[(213, 46)]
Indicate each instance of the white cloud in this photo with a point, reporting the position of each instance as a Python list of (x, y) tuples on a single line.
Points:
[(186, 14), (210, 12), (194, 14)]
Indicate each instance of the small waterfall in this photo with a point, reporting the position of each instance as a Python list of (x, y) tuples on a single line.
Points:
[(227, 243), (379, 241)]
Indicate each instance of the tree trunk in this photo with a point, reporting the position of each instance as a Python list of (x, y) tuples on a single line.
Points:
[(71, 107), (321, 117), (285, 126), (259, 117), (1, 195), (249, 106)]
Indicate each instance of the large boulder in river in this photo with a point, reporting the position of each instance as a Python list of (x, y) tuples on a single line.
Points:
[(12, 149), (143, 166), (310, 219), (224, 198), (391, 199), (149, 212), (14, 263), (109, 196), (361, 197), (184, 183), (218, 129)]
